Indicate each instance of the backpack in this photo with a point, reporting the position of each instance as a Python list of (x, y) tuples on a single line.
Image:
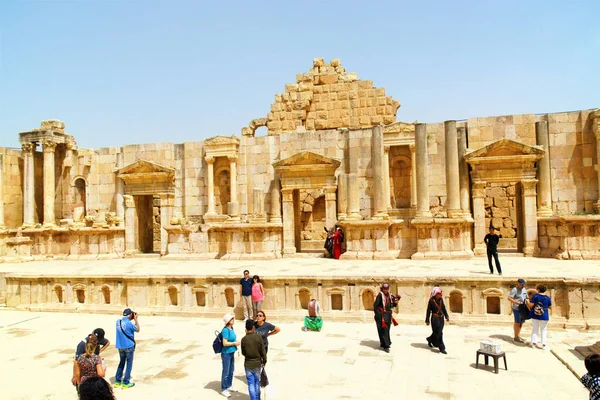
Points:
[(218, 342), (538, 309)]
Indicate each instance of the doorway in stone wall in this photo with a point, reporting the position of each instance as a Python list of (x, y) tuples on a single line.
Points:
[(312, 220), (148, 223), (503, 211)]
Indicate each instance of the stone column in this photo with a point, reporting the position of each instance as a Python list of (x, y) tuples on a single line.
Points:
[(479, 229), (275, 202), (258, 206), (530, 227), (386, 176), (2, 225), (413, 178), (544, 199), (211, 185), (342, 196), (130, 231), (166, 212), (595, 118), (380, 203), (49, 148), (452, 181), (234, 206), (28, 183), (422, 171), (463, 172), (330, 207), (353, 198), (119, 190), (289, 243)]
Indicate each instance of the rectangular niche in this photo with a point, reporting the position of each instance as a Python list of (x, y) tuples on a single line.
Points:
[(493, 305)]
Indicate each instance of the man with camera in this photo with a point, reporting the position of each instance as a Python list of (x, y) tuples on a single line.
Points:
[(384, 303), (126, 328)]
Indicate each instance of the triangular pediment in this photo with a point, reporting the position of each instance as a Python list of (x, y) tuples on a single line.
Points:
[(505, 148), (144, 167), (307, 158)]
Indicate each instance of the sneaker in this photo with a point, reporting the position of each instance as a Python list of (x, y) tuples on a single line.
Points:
[(232, 389), (117, 384), (429, 343), (534, 345), (520, 340), (226, 393), (127, 385), (443, 352)]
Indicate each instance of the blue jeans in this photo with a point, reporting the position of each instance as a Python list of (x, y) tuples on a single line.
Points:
[(253, 378), (125, 355), (227, 374)]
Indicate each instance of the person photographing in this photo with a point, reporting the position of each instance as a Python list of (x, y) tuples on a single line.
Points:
[(126, 328)]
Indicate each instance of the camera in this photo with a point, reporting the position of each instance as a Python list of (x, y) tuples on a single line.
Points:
[(395, 300)]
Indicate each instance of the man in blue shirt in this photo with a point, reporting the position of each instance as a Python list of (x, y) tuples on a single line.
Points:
[(246, 290), (126, 328)]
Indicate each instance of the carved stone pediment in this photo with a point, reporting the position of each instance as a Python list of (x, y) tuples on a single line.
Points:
[(221, 140), (399, 127), (222, 146), (146, 172), (504, 148), (307, 158)]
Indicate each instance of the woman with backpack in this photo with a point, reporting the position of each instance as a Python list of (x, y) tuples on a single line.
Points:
[(539, 306), (230, 344)]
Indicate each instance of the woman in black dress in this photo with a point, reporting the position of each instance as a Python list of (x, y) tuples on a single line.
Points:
[(437, 310)]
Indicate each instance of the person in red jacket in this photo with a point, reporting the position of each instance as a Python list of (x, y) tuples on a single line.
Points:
[(338, 239)]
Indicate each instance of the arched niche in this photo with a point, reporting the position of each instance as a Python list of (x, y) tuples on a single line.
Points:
[(58, 293), (400, 184), (200, 294), (79, 200), (492, 301), (172, 295), (79, 293), (456, 301), (229, 297), (303, 298), (106, 294), (367, 297)]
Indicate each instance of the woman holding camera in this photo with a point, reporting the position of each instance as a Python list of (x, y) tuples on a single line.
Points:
[(384, 302), (437, 311)]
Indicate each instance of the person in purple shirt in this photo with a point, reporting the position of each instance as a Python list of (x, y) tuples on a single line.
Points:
[(126, 328)]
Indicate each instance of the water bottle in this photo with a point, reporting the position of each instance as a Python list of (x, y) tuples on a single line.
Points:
[(103, 363)]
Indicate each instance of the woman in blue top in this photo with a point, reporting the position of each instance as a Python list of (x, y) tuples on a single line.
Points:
[(230, 344), (539, 306)]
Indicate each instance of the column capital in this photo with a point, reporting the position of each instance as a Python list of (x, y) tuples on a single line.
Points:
[(48, 146), (287, 195), (209, 159), (529, 187), (386, 149), (411, 147), (233, 158), (28, 148), (129, 202), (478, 190)]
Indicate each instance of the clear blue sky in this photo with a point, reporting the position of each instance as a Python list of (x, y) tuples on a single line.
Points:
[(123, 72)]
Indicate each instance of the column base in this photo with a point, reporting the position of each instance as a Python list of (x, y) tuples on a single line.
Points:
[(380, 216), (289, 250), (423, 214), (544, 212), (28, 225), (455, 214), (233, 219), (275, 220), (49, 225), (258, 219), (597, 207), (353, 217)]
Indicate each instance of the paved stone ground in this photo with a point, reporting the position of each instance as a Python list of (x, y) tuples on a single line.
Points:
[(174, 360), (512, 267)]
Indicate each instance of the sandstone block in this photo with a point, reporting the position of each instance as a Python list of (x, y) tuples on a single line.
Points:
[(500, 212)]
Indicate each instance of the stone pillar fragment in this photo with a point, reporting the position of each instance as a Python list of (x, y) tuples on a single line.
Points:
[(166, 212), (342, 196), (413, 177), (595, 117), (2, 225), (120, 190), (386, 176), (275, 203), (422, 171), (353, 198), (233, 207), (544, 199), (211, 185), (258, 206), (380, 203), (463, 172), (289, 244), (130, 246), (49, 148), (330, 207), (530, 234), (28, 184), (452, 180), (480, 229)]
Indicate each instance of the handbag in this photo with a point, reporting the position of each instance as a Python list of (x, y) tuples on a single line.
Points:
[(264, 380), (524, 311)]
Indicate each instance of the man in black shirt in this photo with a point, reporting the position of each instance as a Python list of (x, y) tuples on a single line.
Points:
[(246, 291), (491, 241), (103, 343)]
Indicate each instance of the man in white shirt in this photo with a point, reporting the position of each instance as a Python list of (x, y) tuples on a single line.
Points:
[(517, 296)]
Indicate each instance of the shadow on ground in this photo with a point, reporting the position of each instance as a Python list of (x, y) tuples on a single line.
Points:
[(374, 344)]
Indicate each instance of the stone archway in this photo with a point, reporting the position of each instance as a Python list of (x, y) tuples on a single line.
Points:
[(501, 162), (305, 171)]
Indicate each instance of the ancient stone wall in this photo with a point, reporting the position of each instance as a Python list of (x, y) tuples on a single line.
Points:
[(13, 193), (328, 97), (503, 212)]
